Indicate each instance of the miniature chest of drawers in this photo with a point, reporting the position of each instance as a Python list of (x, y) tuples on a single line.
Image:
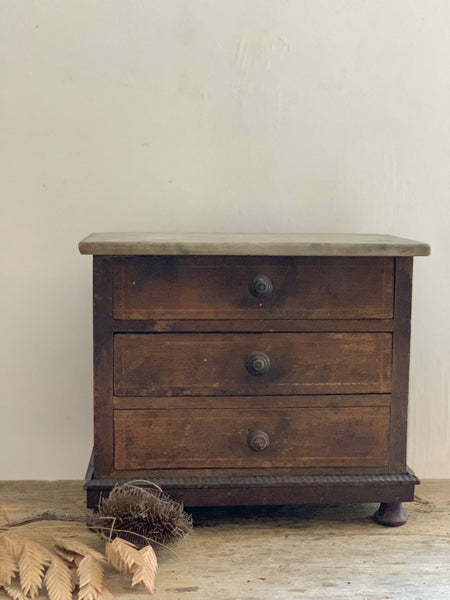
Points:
[(253, 368)]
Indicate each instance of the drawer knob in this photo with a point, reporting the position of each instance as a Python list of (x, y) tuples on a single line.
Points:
[(258, 440), (261, 286), (257, 363)]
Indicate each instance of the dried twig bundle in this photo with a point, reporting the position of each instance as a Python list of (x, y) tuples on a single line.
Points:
[(142, 514)]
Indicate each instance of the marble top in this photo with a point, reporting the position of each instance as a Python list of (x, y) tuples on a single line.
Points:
[(268, 244)]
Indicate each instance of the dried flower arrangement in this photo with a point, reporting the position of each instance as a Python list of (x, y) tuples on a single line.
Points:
[(133, 514)]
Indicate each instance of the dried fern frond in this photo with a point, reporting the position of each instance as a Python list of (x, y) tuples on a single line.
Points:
[(74, 580), (146, 572), (14, 545), (105, 594), (68, 556), (74, 547), (77, 564), (123, 555), (8, 566), (140, 565), (90, 574), (58, 580), (148, 514), (114, 558), (15, 592), (31, 558), (32, 562)]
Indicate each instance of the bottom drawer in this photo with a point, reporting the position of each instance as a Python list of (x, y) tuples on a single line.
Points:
[(248, 438)]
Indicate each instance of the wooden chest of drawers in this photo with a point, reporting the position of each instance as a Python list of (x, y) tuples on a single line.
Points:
[(253, 368)]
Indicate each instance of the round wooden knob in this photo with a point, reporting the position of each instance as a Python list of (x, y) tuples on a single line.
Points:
[(257, 363), (261, 286), (258, 440)]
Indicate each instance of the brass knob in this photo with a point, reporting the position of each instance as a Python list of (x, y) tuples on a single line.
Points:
[(257, 363), (258, 440), (261, 286)]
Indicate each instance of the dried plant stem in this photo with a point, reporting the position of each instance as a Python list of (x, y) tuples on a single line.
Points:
[(146, 482), (45, 516), (48, 516)]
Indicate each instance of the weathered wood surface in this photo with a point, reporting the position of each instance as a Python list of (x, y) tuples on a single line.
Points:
[(400, 361), (180, 287), (308, 437), (202, 354), (306, 552), (216, 364), (248, 244), (103, 365), (251, 325), (253, 402)]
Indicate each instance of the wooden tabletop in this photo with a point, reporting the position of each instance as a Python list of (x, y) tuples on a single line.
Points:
[(251, 244)]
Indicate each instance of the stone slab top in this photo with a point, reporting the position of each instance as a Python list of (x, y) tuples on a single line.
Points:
[(251, 244)]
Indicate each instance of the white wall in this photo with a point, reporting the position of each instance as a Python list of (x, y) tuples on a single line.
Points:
[(209, 115)]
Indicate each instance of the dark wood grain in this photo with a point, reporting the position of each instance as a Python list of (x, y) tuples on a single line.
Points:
[(254, 402), (261, 495), (220, 438), (253, 325), (400, 363), (149, 473), (245, 490), (173, 287), (173, 397), (215, 364), (103, 366)]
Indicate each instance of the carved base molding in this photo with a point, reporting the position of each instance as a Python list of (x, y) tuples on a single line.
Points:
[(271, 489)]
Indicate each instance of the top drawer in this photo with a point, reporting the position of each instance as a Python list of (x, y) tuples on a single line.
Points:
[(181, 287)]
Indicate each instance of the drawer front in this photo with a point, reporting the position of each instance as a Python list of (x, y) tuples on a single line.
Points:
[(244, 438), (253, 288), (147, 364)]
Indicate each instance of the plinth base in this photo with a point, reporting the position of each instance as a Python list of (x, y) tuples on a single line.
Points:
[(272, 490)]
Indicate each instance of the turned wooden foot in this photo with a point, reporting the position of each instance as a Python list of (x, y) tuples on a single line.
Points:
[(390, 514)]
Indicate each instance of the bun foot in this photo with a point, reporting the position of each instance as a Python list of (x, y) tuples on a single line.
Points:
[(390, 514)]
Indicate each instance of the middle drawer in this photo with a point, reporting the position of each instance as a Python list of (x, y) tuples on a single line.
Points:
[(205, 364)]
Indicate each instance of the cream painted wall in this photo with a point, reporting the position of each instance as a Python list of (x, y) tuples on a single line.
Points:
[(209, 115)]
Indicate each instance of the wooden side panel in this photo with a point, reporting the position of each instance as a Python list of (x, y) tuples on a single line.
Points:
[(103, 367), (173, 287), (220, 438), (400, 363), (216, 364)]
